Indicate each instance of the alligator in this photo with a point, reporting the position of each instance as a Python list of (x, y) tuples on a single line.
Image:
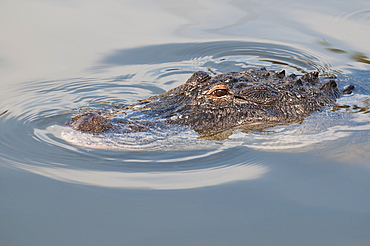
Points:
[(252, 100)]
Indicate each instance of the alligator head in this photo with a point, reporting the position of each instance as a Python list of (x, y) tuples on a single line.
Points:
[(255, 99)]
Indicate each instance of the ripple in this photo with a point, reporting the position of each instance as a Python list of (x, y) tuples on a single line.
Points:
[(159, 180), (221, 56), (34, 114), (35, 123), (155, 176), (360, 15)]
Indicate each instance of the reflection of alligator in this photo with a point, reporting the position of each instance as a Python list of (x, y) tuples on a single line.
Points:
[(250, 100)]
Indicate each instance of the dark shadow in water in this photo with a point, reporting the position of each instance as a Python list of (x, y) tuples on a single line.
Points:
[(353, 55), (6, 111), (178, 52)]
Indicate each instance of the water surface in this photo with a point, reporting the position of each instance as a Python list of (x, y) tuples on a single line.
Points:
[(300, 184)]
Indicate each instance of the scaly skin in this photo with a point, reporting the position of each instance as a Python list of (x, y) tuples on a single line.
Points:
[(255, 99)]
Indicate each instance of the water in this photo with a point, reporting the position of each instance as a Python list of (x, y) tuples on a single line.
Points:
[(301, 184)]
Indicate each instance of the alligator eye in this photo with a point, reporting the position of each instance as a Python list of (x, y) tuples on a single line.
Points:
[(220, 92)]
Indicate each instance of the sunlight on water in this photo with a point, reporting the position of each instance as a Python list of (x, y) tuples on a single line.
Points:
[(174, 138), (318, 129), (48, 105), (167, 180), (300, 184)]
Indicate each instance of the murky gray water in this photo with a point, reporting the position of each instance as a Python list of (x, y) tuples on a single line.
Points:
[(301, 184)]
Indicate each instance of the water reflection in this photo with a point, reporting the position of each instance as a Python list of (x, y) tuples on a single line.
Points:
[(197, 13), (2, 113), (360, 57), (291, 198), (186, 10), (353, 55), (220, 56), (38, 111), (249, 14), (164, 180)]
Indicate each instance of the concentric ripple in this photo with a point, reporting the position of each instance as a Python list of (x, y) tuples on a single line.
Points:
[(220, 57), (34, 113)]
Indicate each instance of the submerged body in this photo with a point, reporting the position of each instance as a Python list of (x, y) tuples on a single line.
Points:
[(251, 100)]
